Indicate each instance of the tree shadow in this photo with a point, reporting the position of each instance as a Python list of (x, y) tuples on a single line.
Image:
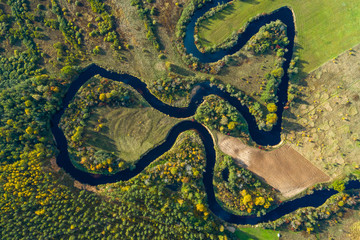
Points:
[(205, 23), (224, 71), (157, 36), (174, 187), (291, 126), (299, 78), (245, 236), (299, 100), (229, 9), (289, 115), (225, 174), (99, 139), (233, 61), (254, 2)]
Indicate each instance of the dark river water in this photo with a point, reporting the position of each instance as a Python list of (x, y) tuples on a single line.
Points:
[(261, 137)]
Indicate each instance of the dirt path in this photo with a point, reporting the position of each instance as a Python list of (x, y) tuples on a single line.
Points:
[(283, 168)]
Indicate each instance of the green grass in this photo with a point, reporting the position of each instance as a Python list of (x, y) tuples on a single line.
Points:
[(128, 132), (256, 234), (325, 28)]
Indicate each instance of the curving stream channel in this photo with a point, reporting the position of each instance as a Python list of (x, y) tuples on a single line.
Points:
[(261, 137)]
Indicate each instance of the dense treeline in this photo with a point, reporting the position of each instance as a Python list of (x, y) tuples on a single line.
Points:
[(271, 36), (241, 191), (173, 88), (68, 28), (21, 64), (25, 110)]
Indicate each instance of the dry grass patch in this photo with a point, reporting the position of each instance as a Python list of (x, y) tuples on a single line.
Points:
[(247, 72), (328, 116)]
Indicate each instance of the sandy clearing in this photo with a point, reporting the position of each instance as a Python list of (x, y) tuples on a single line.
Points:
[(284, 168)]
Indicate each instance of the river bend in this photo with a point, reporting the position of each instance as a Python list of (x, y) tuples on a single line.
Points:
[(261, 137)]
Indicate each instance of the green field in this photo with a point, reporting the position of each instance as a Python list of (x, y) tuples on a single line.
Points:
[(256, 234), (129, 132), (324, 28)]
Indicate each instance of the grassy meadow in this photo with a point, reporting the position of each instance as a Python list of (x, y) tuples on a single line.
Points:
[(250, 233), (325, 28), (129, 132)]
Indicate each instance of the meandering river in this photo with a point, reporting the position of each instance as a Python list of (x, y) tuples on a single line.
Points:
[(261, 137)]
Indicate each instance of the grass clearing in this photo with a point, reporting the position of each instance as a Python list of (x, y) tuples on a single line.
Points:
[(324, 28), (247, 72), (128, 132), (256, 234)]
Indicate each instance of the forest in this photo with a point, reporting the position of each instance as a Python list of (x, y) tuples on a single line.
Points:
[(46, 44)]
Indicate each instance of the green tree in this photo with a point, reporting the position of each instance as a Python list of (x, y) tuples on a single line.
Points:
[(278, 72), (338, 185)]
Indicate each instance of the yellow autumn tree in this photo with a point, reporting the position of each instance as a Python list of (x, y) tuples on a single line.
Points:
[(200, 207), (271, 107), (102, 97), (231, 125), (271, 118), (121, 164), (247, 198), (259, 201), (28, 103), (29, 130)]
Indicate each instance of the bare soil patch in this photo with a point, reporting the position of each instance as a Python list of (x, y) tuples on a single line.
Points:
[(284, 168), (54, 165)]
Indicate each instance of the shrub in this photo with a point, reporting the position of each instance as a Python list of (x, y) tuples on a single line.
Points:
[(96, 50), (161, 56), (271, 107), (78, 3), (271, 118)]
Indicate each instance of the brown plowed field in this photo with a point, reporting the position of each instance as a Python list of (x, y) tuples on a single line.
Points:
[(283, 168)]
